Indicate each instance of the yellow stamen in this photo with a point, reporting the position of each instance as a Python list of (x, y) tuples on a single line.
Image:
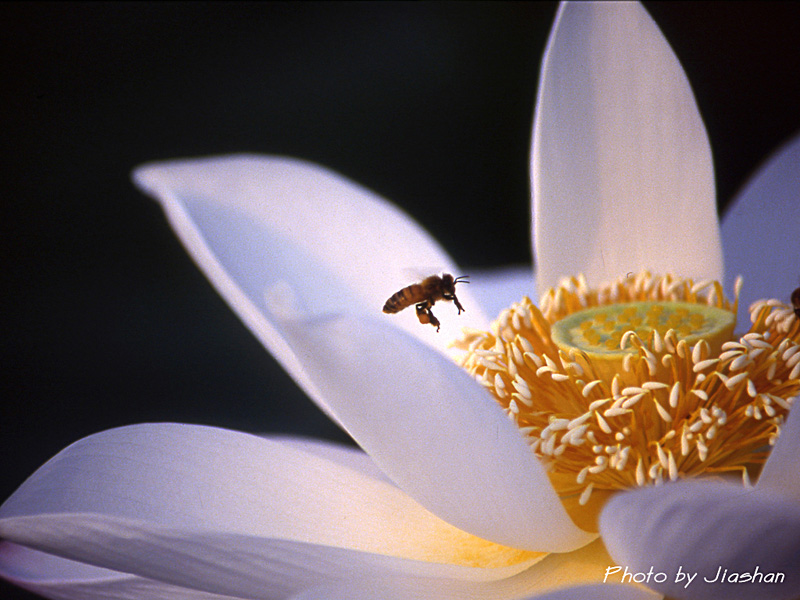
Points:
[(639, 382)]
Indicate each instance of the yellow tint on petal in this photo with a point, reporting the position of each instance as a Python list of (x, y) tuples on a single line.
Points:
[(584, 566), (453, 546), (398, 526)]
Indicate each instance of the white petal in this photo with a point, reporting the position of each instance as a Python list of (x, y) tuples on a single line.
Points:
[(622, 173), (220, 563), (276, 234), (557, 571), (760, 231), (160, 500), (497, 289), (435, 431), (781, 473), (701, 527), (61, 579), (391, 375)]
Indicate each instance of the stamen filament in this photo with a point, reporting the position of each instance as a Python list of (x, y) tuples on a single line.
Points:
[(670, 394)]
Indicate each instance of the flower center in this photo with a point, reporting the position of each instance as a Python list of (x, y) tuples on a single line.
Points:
[(600, 332), (639, 382)]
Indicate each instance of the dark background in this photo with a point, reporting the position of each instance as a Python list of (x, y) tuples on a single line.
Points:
[(106, 321)]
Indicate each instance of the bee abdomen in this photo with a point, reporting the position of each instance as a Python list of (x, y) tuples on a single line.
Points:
[(401, 299)]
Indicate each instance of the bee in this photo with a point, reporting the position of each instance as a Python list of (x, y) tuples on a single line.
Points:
[(425, 294), (796, 302)]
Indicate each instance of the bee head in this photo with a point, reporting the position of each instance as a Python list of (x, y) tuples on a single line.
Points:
[(449, 285)]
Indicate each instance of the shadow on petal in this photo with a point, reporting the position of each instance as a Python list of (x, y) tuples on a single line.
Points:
[(719, 531)]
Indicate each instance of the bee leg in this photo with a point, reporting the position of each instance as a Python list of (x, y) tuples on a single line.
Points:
[(458, 305), (425, 315)]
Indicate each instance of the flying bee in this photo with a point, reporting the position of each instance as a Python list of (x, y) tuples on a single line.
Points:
[(425, 294), (796, 302)]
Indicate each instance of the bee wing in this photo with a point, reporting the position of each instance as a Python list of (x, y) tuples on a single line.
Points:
[(418, 273), (411, 275)]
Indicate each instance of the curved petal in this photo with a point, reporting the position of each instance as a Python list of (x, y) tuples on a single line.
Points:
[(220, 563), (349, 389), (706, 528), (152, 489), (497, 289), (621, 167), (276, 233), (61, 579), (434, 431), (760, 231), (781, 472), (558, 576)]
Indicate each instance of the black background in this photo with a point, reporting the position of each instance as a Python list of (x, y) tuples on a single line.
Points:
[(105, 319)]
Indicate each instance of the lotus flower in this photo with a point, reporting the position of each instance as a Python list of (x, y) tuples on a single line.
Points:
[(455, 495)]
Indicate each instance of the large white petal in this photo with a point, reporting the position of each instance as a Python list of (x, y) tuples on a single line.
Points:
[(700, 527), (221, 563), (435, 431), (781, 473), (62, 579), (56, 577), (621, 167), (348, 391), (159, 500), (262, 228), (760, 231), (496, 289)]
